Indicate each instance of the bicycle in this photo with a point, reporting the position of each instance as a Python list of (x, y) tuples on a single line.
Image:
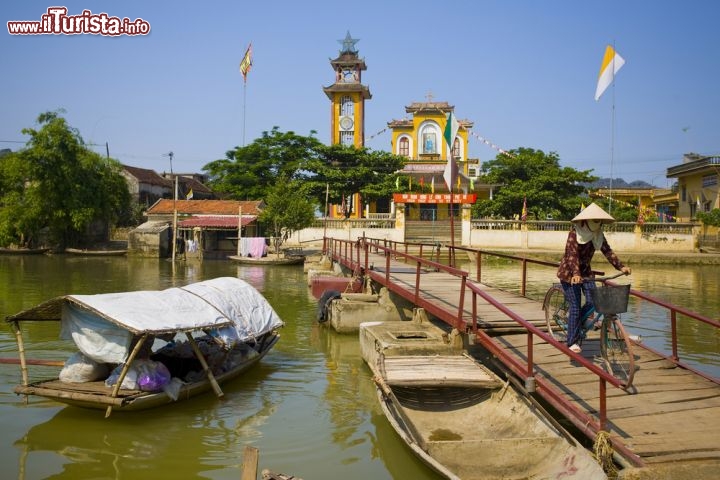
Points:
[(615, 344)]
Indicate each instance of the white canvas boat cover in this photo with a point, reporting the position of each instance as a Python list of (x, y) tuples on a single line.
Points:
[(104, 325)]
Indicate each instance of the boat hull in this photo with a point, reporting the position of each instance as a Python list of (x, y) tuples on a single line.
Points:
[(96, 253), (95, 395), (482, 434), (269, 260), (23, 251)]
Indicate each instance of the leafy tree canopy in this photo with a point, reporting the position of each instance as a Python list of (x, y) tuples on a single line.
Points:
[(249, 172), (57, 183), (286, 211), (710, 218), (524, 173), (340, 171)]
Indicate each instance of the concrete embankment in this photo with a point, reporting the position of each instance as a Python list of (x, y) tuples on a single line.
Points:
[(628, 258)]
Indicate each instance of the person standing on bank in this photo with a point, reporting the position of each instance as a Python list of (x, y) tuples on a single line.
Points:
[(585, 236)]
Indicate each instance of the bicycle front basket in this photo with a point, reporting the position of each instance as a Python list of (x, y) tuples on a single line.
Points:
[(611, 299)]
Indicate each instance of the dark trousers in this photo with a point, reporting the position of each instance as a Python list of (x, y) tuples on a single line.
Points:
[(573, 294)]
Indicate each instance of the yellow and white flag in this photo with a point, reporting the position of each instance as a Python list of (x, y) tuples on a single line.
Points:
[(612, 62)]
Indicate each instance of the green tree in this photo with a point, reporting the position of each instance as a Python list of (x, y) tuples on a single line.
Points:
[(249, 172), (710, 218), (286, 211), (533, 176), (56, 183), (344, 170)]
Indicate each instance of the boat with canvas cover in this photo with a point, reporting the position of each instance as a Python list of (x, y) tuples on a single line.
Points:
[(143, 349)]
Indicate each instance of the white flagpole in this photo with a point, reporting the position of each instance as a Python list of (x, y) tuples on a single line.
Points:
[(244, 96), (612, 132)]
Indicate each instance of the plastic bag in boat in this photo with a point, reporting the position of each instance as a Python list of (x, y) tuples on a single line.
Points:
[(145, 374), (80, 368)]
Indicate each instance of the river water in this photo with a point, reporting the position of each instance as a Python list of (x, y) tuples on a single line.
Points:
[(309, 406)]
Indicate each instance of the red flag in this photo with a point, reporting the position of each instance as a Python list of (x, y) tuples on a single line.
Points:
[(523, 216)]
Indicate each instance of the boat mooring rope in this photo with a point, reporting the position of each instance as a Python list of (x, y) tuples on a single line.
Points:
[(603, 453)]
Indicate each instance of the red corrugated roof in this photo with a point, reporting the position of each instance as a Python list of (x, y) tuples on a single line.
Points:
[(212, 221)]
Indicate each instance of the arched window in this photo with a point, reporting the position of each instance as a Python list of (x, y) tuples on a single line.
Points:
[(404, 147), (429, 134)]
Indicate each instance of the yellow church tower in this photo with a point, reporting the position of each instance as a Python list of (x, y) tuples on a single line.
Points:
[(347, 96), (347, 111)]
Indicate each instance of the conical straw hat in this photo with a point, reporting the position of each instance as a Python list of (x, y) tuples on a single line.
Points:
[(593, 212)]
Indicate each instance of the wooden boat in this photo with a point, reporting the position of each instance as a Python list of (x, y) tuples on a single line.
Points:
[(269, 260), (22, 251), (96, 253), (165, 345), (460, 418)]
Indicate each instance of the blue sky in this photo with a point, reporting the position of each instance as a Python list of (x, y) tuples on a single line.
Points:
[(524, 72)]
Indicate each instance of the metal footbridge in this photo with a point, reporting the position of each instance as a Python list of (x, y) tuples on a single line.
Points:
[(670, 416)]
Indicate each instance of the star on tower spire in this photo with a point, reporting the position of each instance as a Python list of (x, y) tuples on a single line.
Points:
[(348, 44)]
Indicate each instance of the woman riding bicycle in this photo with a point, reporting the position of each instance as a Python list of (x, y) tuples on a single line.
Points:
[(584, 238)]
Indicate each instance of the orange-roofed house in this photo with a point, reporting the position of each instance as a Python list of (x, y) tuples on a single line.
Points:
[(206, 229)]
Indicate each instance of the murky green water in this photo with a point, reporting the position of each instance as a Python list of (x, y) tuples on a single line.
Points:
[(309, 406)]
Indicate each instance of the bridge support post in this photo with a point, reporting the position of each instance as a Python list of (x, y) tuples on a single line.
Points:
[(530, 384)]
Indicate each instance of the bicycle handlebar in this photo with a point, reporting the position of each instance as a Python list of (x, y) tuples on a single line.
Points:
[(602, 279)]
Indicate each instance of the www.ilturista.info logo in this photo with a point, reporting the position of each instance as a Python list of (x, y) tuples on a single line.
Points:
[(57, 22)]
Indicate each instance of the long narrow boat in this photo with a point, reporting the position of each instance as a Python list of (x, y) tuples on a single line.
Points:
[(270, 259), (96, 253), (22, 251), (143, 349), (459, 417)]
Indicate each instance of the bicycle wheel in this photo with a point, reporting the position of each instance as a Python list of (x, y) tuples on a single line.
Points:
[(616, 350), (556, 313)]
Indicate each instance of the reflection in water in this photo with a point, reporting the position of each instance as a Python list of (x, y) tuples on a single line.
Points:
[(309, 406), (141, 444)]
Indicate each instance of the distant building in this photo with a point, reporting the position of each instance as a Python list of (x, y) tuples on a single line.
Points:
[(191, 186), (147, 186), (421, 140), (697, 184), (649, 200)]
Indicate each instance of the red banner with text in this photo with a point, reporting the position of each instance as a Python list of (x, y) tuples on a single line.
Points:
[(434, 197)]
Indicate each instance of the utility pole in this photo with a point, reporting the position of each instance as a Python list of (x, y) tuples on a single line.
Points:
[(174, 224)]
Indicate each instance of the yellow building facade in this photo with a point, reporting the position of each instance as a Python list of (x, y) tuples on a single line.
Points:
[(419, 137)]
